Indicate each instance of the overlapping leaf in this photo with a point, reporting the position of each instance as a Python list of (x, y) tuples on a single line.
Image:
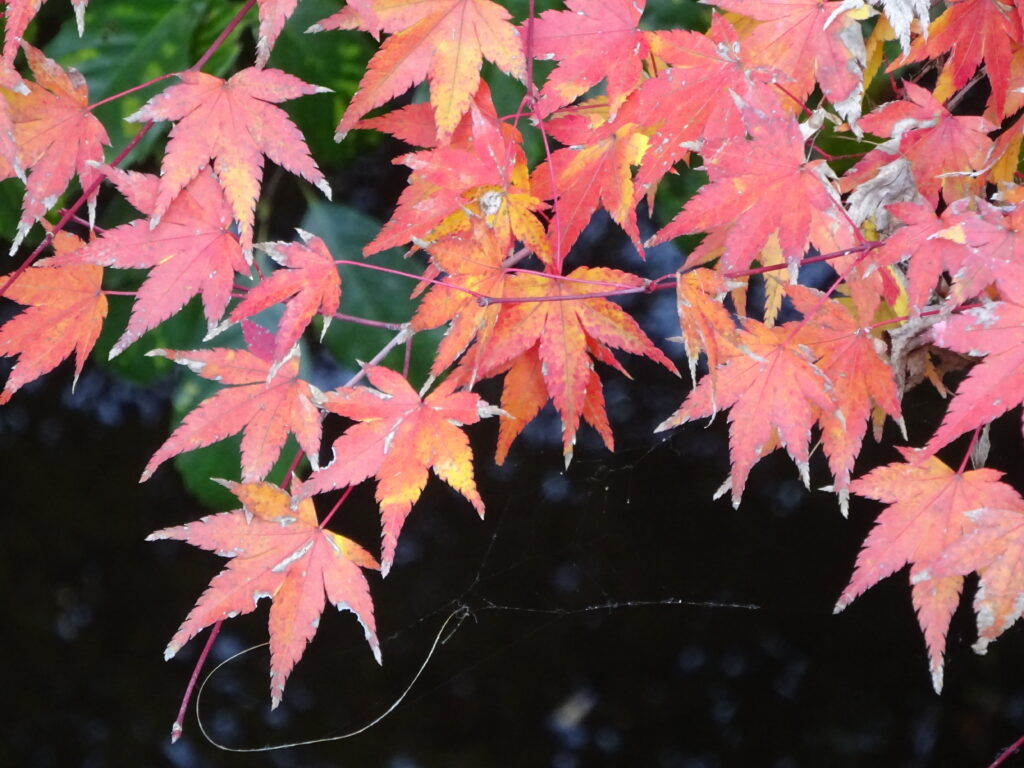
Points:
[(262, 406), (308, 284), (193, 250), (230, 125), (55, 134), (277, 550), (567, 328), (65, 312), (399, 437), (443, 41), (926, 514)]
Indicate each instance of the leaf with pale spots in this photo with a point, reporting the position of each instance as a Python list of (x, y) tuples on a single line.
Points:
[(230, 125), (774, 392), (926, 515), (277, 550), (262, 400), (399, 437)]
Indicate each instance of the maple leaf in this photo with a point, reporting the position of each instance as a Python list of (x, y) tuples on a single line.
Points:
[(399, 437), (698, 99), (996, 331), (943, 149), (481, 174), (855, 362), (704, 321), (17, 16), (597, 173), (566, 334), (55, 134), (592, 40), (443, 41), (926, 514), (273, 15), (232, 124), (971, 31), (473, 261), (191, 251), (66, 308), (808, 40), (277, 550), (264, 401), (775, 393), (994, 547), (308, 284), (761, 187)]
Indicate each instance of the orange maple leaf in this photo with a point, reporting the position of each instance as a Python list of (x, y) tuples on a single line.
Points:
[(309, 283), (277, 550), (926, 514), (399, 438), (775, 393), (232, 123), (55, 134), (443, 41), (264, 401), (191, 251), (472, 261), (66, 308), (567, 332)]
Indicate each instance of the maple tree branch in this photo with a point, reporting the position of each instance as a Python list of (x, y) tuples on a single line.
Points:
[(367, 322), (329, 515), (865, 246), (970, 450), (397, 339), (1007, 753), (223, 36), (133, 89), (178, 727)]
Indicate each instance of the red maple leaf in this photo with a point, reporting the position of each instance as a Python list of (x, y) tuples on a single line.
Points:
[(943, 149), (191, 251), (443, 41), (55, 134), (232, 124), (17, 16), (277, 550), (398, 439), (775, 393), (264, 401), (971, 31), (309, 283), (66, 308), (855, 362), (592, 40), (760, 187), (926, 514), (580, 178), (808, 40), (995, 330), (698, 99)]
